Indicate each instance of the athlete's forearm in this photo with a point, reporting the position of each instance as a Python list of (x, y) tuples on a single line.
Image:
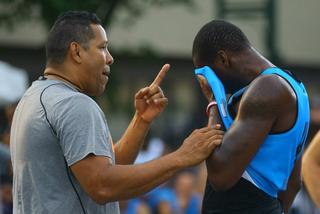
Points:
[(214, 166), (127, 148), (287, 197), (294, 184)]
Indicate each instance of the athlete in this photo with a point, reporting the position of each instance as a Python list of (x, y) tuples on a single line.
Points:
[(257, 167)]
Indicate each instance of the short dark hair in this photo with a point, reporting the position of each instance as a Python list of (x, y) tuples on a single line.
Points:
[(217, 35), (71, 26)]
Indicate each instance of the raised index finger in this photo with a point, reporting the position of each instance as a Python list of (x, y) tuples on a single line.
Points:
[(161, 75)]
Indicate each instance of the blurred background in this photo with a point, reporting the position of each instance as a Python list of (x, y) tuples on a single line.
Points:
[(143, 35)]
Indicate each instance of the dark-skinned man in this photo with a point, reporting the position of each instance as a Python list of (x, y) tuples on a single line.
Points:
[(257, 167)]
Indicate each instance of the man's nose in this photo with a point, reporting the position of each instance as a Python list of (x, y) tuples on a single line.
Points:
[(109, 59)]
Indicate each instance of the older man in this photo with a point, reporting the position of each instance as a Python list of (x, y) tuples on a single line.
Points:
[(64, 160)]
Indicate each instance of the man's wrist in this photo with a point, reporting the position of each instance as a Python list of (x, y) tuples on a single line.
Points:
[(140, 119), (178, 160)]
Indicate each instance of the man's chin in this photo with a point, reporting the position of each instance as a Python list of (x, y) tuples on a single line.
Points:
[(98, 92)]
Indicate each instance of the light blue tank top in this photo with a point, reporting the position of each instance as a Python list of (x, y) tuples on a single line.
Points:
[(272, 165)]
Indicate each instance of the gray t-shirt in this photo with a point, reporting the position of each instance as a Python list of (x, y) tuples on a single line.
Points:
[(42, 147)]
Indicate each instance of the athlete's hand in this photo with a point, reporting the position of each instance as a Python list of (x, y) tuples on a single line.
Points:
[(205, 87), (199, 145), (150, 101)]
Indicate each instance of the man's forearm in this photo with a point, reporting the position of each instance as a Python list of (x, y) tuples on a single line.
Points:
[(311, 169), (106, 182), (130, 181), (127, 148), (311, 175)]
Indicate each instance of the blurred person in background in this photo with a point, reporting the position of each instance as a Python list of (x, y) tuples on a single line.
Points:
[(5, 179), (153, 148), (5, 176), (13, 83), (6, 194), (63, 157), (188, 199), (5, 160), (257, 167), (303, 204), (5, 168), (178, 196)]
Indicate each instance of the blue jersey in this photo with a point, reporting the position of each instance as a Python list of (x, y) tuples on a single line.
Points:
[(271, 167)]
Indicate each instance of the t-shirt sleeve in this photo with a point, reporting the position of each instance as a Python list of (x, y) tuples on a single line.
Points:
[(81, 128)]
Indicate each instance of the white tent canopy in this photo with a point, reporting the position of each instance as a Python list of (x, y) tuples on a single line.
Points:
[(13, 83)]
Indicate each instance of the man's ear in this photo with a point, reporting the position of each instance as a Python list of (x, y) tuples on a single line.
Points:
[(222, 58), (75, 50)]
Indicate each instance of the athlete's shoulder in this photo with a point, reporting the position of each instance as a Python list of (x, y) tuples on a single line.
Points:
[(268, 95), (271, 87)]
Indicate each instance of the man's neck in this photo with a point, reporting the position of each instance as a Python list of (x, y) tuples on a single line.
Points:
[(56, 74)]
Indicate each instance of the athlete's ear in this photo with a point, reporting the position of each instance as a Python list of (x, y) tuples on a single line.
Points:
[(222, 58), (75, 52)]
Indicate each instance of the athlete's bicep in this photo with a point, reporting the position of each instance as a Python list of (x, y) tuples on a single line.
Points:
[(256, 116), (258, 111), (252, 124)]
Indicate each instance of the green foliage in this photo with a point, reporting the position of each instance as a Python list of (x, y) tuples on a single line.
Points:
[(13, 11)]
